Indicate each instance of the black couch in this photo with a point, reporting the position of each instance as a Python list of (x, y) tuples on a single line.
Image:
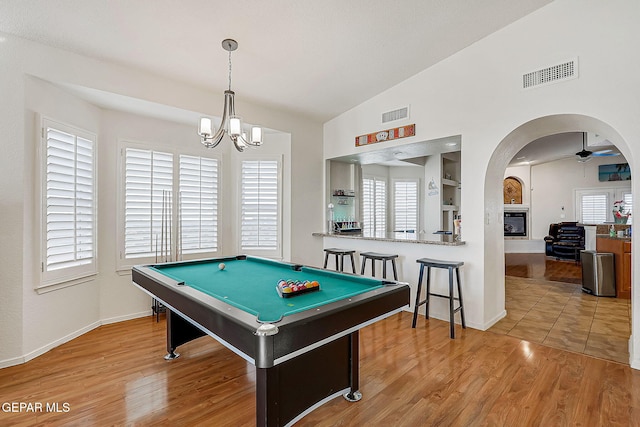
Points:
[(565, 240)]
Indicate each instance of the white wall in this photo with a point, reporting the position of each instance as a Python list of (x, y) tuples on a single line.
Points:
[(477, 93), (30, 323)]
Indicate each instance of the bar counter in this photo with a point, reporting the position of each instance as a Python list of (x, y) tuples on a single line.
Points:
[(428, 239)]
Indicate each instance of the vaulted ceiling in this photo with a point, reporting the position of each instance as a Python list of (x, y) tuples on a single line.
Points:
[(319, 58)]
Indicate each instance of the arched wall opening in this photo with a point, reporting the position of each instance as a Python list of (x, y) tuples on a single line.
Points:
[(494, 196)]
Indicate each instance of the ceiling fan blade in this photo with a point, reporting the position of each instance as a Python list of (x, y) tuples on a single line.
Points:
[(605, 153)]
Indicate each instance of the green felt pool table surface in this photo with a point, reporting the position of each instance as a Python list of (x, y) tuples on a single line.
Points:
[(250, 284)]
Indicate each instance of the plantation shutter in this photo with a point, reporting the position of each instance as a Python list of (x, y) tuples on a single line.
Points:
[(198, 204), (628, 205), (368, 206), (594, 208), (381, 211), (148, 178), (259, 205), (69, 205), (374, 197), (405, 206)]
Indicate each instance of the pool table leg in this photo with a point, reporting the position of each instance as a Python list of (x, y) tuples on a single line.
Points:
[(179, 332), (354, 369)]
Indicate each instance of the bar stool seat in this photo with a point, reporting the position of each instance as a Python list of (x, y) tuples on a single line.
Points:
[(340, 254), (374, 256), (449, 265)]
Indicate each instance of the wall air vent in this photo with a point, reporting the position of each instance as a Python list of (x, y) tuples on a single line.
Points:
[(400, 113), (560, 72)]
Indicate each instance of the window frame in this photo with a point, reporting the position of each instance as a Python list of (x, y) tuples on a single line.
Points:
[(66, 276)]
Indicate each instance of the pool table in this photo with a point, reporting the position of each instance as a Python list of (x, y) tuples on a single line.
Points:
[(304, 348)]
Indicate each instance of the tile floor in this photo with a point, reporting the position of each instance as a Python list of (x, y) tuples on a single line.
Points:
[(560, 315)]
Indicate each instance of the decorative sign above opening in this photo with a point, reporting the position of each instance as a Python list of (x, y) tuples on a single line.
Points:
[(386, 135)]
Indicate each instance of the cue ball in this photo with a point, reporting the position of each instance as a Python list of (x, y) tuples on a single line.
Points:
[(221, 266)]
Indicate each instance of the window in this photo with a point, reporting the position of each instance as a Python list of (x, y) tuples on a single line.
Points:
[(260, 215), (68, 220), (198, 201), (151, 208), (405, 206), (374, 196), (595, 206)]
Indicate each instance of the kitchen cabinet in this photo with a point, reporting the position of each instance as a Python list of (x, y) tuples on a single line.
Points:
[(621, 250)]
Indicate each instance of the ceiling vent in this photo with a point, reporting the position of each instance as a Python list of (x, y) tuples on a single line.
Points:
[(565, 71), (400, 113)]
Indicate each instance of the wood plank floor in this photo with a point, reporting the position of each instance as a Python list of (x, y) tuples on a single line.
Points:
[(545, 304), (116, 375)]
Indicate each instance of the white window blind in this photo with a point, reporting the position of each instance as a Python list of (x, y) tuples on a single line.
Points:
[(259, 222), (405, 205), (594, 208), (69, 203), (628, 205), (148, 178), (374, 197), (198, 204)]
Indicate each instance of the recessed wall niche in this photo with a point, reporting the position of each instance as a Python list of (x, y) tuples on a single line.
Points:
[(512, 191)]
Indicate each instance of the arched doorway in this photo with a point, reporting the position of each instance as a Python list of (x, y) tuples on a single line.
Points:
[(494, 196)]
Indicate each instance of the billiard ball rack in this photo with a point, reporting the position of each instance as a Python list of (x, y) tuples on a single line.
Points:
[(292, 288)]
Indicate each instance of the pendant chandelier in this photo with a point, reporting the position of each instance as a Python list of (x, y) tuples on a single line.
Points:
[(231, 124)]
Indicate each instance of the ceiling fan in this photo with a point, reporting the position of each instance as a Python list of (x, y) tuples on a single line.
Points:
[(584, 155)]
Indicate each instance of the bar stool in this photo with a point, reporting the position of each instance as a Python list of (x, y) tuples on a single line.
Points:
[(340, 254), (449, 265), (373, 256)]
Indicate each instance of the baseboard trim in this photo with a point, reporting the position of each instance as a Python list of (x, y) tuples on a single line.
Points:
[(495, 320), (11, 362), (42, 350), (634, 362), (127, 317)]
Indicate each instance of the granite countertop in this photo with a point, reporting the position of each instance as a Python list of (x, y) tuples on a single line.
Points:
[(434, 239), (606, 236)]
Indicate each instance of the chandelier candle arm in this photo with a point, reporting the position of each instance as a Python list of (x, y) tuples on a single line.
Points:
[(230, 124)]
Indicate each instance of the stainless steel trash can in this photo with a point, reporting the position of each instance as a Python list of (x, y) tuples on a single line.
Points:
[(598, 274)]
